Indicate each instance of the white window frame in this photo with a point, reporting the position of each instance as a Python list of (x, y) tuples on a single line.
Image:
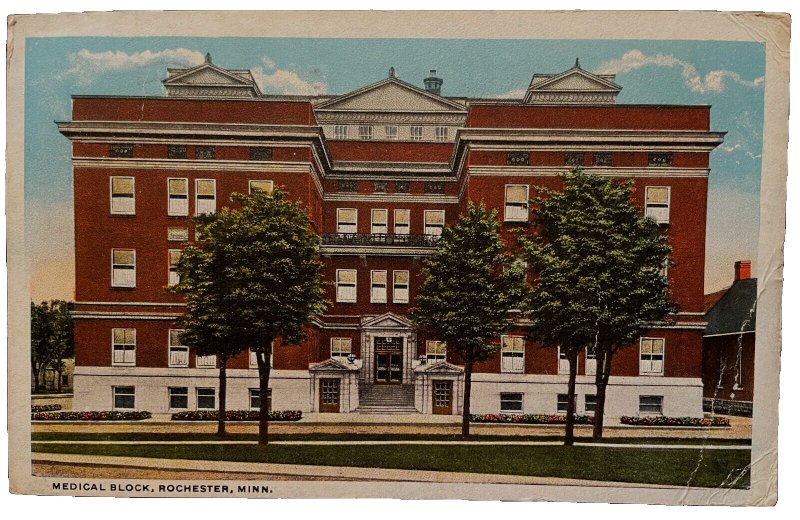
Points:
[(209, 361), (338, 349), (173, 277), (586, 410), (400, 292), (590, 365), (170, 395), (122, 204), (268, 192), (652, 366), (652, 412), (125, 359), (172, 234), (563, 362), (434, 229), (378, 227), (512, 360), (652, 210), (344, 295), (562, 402), (366, 132), (347, 228), (516, 211), (417, 133), (174, 362), (509, 397), (177, 203), (253, 362), (117, 270), (115, 393), (432, 353), (442, 133), (391, 132), (378, 293), (340, 131), (250, 397), (208, 202), (402, 229), (197, 397)]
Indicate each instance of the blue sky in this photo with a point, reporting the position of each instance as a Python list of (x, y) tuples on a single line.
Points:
[(726, 75)]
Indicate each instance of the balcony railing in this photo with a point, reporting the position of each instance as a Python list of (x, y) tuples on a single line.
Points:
[(379, 239)]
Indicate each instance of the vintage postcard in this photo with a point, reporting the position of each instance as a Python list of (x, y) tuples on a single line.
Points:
[(478, 255)]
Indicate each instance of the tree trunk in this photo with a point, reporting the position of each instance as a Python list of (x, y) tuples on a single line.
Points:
[(569, 430), (465, 416), (35, 377), (601, 382), (262, 357), (59, 371), (223, 395)]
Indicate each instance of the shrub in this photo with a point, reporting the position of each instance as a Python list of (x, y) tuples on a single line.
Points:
[(236, 415), (529, 419), (676, 421), (45, 407), (90, 416)]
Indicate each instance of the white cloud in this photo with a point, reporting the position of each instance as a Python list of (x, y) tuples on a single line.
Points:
[(85, 65), (274, 80), (731, 148), (713, 81), (753, 156), (513, 94)]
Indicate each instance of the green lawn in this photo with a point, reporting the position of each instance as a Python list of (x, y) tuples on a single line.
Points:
[(654, 466)]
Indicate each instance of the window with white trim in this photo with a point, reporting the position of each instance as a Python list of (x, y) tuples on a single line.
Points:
[(340, 132), (563, 361), (651, 357), (391, 132), (341, 348), (123, 196), (434, 221), (123, 347), (512, 354), (365, 132), (206, 398), (346, 285), (416, 133), (177, 197), (209, 361), (516, 203), (562, 401), (124, 397), (255, 399), (651, 404), (178, 397), (591, 360), (589, 404), (123, 268), (441, 133), (346, 220), (261, 186), (178, 352), (254, 359), (380, 221), (174, 258), (435, 350), (178, 234), (402, 221), (205, 196), (656, 203), (377, 287), (511, 402), (400, 286)]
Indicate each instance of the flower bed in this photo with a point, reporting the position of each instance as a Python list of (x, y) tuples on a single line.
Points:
[(676, 421), (236, 415), (45, 408), (90, 416), (529, 419)]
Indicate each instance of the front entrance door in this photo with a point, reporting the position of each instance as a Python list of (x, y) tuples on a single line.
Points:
[(442, 397), (329, 395), (388, 367)]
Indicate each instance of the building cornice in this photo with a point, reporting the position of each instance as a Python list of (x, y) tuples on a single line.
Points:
[(391, 197), (344, 250), (545, 171), (192, 164)]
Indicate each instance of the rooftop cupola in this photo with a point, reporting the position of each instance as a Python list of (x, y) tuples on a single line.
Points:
[(433, 84)]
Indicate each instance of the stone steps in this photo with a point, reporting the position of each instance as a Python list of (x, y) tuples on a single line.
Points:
[(386, 399)]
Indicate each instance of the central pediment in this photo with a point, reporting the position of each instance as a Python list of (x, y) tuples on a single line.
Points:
[(391, 95), (386, 321), (574, 86)]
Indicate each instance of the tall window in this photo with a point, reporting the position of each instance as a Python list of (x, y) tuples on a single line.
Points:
[(434, 222), (651, 404), (512, 354), (123, 197), (391, 132), (123, 268), (341, 348), (124, 397), (378, 287), (511, 402), (562, 401), (178, 397), (346, 220), (178, 197), (380, 224), (441, 133), (206, 398), (123, 346), (516, 203), (656, 203), (591, 361), (174, 258), (400, 289), (435, 350), (402, 221), (178, 352), (205, 196), (651, 361), (563, 361), (265, 187), (590, 403), (365, 132), (416, 133), (346, 285), (254, 359), (340, 132)]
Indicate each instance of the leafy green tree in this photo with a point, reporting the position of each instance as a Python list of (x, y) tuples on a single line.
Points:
[(597, 267), (262, 282), (52, 338), (471, 285)]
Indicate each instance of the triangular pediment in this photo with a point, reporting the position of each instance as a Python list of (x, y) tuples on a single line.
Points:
[(391, 95), (574, 79), (443, 367), (386, 321), (207, 74), (331, 365), (574, 86)]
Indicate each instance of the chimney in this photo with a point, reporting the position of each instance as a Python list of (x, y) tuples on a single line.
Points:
[(433, 84), (741, 270)]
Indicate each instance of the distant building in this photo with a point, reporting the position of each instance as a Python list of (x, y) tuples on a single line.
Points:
[(729, 344), (381, 170)]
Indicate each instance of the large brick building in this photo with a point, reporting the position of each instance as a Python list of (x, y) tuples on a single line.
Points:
[(381, 170)]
